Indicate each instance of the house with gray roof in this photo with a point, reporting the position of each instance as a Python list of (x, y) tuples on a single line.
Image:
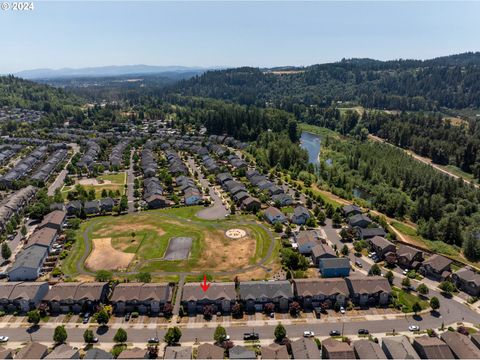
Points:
[(22, 296), (462, 347), (97, 353), (256, 294), (178, 352), (300, 215), (274, 215), (398, 347), (382, 246), (28, 264), (33, 350), (322, 251), (467, 280), (75, 297), (436, 267), (369, 290), (366, 349), (431, 348), (334, 267), (359, 220), (349, 210), (64, 351), (409, 257), (241, 352), (145, 298), (312, 293), (221, 296)]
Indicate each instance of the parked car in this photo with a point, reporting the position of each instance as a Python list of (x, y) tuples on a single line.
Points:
[(405, 272), (86, 318), (363, 332), (358, 263), (308, 334), (342, 310), (335, 333), (414, 328), (251, 336), (95, 340), (3, 338), (127, 316), (153, 340)]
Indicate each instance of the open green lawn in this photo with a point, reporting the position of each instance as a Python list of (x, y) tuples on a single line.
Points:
[(407, 299), (113, 182), (318, 130), (147, 235)]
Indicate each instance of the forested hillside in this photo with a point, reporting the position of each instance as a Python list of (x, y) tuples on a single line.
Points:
[(452, 82)]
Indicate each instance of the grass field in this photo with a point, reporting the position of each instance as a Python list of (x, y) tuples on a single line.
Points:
[(318, 130), (407, 299), (107, 182), (142, 239)]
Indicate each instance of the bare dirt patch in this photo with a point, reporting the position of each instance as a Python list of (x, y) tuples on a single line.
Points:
[(221, 253), (129, 228), (105, 257), (94, 182)]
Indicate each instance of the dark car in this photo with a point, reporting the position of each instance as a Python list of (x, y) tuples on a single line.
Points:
[(86, 318), (127, 316), (335, 333), (95, 340), (251, 336), (153, 340), (363, 332)]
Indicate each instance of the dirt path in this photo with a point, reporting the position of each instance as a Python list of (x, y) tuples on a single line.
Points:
[(423, 160)]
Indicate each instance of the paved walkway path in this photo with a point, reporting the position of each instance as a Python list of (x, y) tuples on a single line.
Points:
[(59, 180), (178, 296)]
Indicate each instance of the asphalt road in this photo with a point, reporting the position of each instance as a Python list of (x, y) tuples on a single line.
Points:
[(58, 182)]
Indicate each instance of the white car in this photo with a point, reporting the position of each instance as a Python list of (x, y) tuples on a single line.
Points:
[(3, 338), (414, 328), (308, 334), (405, 272), (342, 310)]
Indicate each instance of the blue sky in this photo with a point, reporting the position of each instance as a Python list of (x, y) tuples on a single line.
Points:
[(81, 34)]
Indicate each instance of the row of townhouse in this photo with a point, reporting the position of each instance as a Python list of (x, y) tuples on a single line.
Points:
[(7, 151), (236, 163), (148, 161), (263, 184), (92, 207), (43, 173), (20, 115), (227, 140), (299, 216), (191, 193), (153, 193), (238, 192), (15, 203), (210, 164), (363, 226), (23, 167), (176, 167), (90, 156), (31, 261), (310, 293), (116, 155)]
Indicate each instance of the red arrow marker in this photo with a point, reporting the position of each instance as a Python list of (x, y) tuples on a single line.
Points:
[(204, 286)]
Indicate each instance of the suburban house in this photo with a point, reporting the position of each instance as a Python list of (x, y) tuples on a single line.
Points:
[(97, 353), (91, 207), (256, 294), (192, 196), (45, 237), (462, 347), (145, 298), (335, 349), (76, 297), (282, 199), (300, 215), (274, 351), (382, 246), (398, 347), (28, 264), (21, 296), (311, 293), (334, 267), (304, 349), (475, 339), (274, 215), (437, 267), (431, 348), (322, 251), (368, 233), (366, 349), (241, 352), (251, 204), (359, 220), (74, 208), (64, 351), (307, 239), (133, 353), (156, 201), (409, 257), (178, 352), (369, 290), (33, 350), (221, 296), (54, 220), (467, 280), (210, 351), (106, 204), (349, 210)]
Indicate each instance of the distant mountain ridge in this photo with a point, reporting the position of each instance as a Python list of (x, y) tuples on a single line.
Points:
[(106, 71)]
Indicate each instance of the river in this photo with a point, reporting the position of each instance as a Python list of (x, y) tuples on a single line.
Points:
[(311, 143)]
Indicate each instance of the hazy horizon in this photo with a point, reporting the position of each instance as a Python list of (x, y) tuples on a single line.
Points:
[(58, 35)]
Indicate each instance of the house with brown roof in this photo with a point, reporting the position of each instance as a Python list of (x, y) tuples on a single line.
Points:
[(178, 352), (467, 280), (64, 351), (431, 348), (366, 349), (461, 346), (381, 246), (219, 295), (76, 296), (22, 296), (322, 251), (311, 293), (54, 220), (369, 290), (6, 353), (32, 350), (145, 298), (334, 349), (256, 294), (251, 204), (306, 240), (398, 347), (275, 351), (436, 267), (133, 353), (210, 351), (409, 257), (44, 237), (304, 349)]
